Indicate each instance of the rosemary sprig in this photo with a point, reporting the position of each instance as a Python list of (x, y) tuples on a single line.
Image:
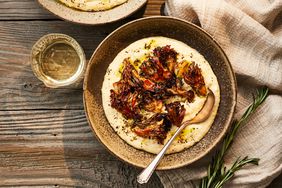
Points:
[(217, 174), (239, 163)]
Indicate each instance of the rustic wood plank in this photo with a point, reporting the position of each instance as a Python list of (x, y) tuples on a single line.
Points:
[(45, 148), (22, 10), (154, 8), (31, 10), (20, 89), (56, 148), (52, 148)]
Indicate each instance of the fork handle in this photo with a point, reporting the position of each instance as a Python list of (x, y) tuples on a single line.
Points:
[(145, 175)]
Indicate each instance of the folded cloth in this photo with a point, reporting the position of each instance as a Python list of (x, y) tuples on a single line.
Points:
[(250, 33)]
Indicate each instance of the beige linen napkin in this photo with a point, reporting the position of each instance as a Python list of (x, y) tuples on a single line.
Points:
[(250, 32)]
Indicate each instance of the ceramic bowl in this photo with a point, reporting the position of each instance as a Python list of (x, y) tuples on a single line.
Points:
[(92, 18), (177, 29)]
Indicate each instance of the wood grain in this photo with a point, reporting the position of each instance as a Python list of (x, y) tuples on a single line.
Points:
[(45, 140), (20, 89), (30, 10), (57, 147), (22, 10)]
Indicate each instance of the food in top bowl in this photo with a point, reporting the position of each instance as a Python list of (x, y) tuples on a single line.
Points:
[(154, 85), (93, 5)]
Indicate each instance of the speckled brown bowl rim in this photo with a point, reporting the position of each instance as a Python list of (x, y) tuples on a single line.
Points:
[(220, 136), (95, 18)]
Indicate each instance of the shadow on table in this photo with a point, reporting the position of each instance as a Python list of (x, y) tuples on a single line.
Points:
[(58, 142), (86, 161), (89, 163)]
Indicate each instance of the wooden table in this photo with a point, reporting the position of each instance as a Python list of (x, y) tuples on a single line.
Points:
[(45, 139)]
